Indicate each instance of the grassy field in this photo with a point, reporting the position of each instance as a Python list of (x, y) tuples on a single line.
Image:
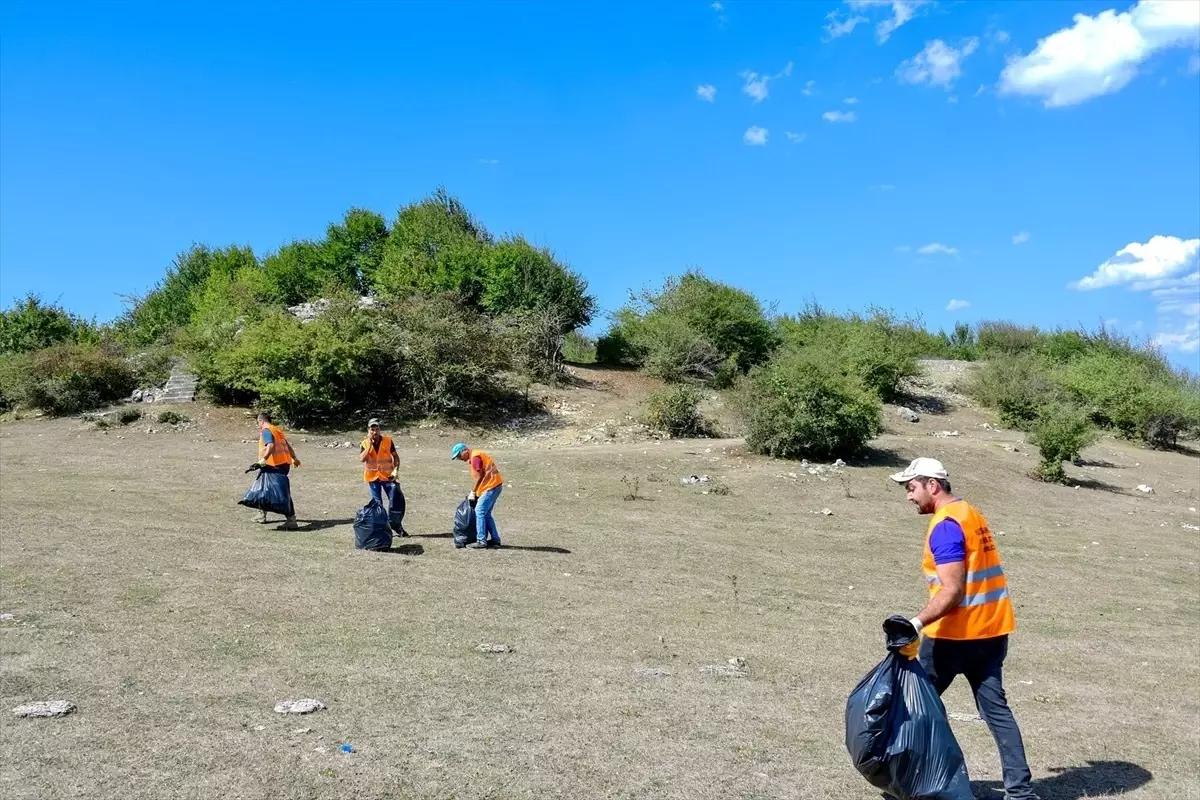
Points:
[(145, 595)]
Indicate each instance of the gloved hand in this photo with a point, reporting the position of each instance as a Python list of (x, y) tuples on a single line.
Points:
[(471, 497), (296, 463), (395, 474)]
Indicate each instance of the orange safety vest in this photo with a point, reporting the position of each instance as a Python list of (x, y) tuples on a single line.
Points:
[(986, 609), (379, 464), (490, 478), (282, 454)]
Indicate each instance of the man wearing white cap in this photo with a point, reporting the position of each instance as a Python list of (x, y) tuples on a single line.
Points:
[(966, 623)]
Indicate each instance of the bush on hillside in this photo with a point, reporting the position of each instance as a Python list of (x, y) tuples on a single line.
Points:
[(522, 278), (67, 378), (692, 328), (880, 349), (1136, 398), (421, 355), (579, 348), (998, 338), (32, 325), (154, 317), (676, 411), (799, 406), (1061, 432), (1018, 387)]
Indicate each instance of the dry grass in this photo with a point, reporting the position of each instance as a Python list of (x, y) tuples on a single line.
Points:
[(146, 596)]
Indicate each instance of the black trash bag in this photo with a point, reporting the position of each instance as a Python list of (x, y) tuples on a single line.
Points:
[(270, 492), (897, 733), (464, 523), (371, 530), (396, 507)]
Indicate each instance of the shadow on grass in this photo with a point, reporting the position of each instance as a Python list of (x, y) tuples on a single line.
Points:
[(535, 548), (923, 403), (1097, 462), (1099, 486), (878, 457), (322, 524), (405, 549), (1096, 779)]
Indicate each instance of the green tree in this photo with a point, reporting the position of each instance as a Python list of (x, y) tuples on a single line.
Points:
[(435, 246), (32, 325), (521, 277), (169, 306)]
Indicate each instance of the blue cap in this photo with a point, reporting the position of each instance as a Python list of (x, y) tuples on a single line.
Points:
[(457, 450)]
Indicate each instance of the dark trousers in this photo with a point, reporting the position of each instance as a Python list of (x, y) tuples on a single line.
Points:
[(981, 661)]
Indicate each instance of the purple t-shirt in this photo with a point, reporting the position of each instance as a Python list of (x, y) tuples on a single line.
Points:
[(947, 542)]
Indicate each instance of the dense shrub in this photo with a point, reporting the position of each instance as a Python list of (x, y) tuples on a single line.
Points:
[(522, 278), (880, 349), (799, 406), (421, 355), (1134, 397), (579, 348), (172, 418), (693, 327), (1060, 433), (676, 411), (32, 325), (1005, 338), (1018, 387), (67, 378)]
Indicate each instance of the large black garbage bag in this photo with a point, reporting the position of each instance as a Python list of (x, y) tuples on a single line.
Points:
[(464, 523), (271, 492), (371, 530), (396, 507), (897, 733)]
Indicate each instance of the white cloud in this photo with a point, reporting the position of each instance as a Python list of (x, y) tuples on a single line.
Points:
[(491, 162), (886, 187), (756, 85), (982, 88), (957, 305), (939, 64), (1193, 67), (952, 99), (1161, 258), (755, 135), (809, 88), (850, 101), (937, 248), (1020, 238), (1001, 37), (837, 28), (901, 12), (839, 116), (902, 248), (1101, 54), (1166, 267), (718, 7), (706, 92), (795, 138)]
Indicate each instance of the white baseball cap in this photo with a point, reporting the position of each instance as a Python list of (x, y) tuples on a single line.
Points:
[(922, 468)]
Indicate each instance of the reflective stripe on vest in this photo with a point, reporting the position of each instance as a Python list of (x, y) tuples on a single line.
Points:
[(489, 477), (281, 454), (986, 609), (379, 464)]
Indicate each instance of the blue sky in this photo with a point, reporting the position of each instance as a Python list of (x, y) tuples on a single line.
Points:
[(1029, 163)]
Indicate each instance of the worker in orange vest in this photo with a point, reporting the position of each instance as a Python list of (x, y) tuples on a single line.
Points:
[(966, 622), (380, 463), (488, 484), (275, 454)]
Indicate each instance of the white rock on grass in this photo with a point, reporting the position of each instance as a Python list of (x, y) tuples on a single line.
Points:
[(305, 705), (45, 708)]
